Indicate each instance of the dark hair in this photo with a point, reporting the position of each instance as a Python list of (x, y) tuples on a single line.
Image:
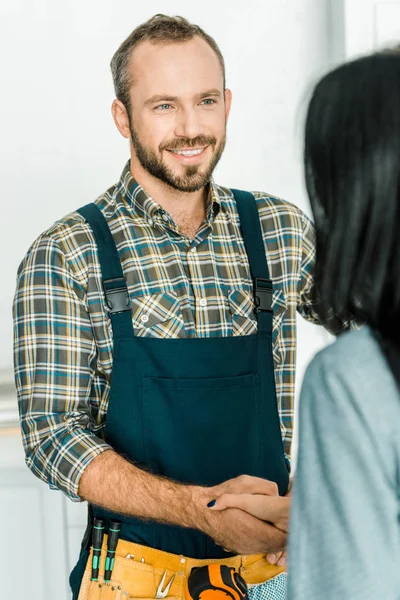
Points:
[(352, 170), (160, 29)]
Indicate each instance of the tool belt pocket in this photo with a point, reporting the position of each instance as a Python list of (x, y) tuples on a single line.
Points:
[(104, 591), (99, 590)]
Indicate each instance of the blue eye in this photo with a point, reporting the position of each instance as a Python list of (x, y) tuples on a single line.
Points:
[(164, 106), (209, 101)]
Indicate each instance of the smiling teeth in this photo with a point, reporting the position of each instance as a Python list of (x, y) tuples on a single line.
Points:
[(188, 152)]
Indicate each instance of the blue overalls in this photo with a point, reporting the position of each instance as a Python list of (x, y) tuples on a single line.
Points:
[(196, 410)]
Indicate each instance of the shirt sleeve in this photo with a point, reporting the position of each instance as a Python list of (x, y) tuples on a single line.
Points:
[(306, 291), (344, 535), (55, 360), (306, 302)]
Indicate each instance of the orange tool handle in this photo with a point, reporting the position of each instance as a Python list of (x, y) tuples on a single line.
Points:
[(215, 582)]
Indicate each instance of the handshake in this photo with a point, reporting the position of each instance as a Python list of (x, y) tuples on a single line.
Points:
[(246, 515)]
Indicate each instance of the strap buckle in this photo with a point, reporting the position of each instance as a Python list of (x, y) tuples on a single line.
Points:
[(263, 294), (117, 297)]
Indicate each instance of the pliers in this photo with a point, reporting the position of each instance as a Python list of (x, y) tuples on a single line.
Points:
[(161, 591)]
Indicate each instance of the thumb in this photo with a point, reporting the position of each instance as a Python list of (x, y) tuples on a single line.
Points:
[(227, 501)]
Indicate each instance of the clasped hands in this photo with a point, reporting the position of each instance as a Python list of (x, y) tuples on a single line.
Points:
[(247, 516)]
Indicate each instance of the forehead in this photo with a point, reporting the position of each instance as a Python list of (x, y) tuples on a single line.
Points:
[(175, 68)]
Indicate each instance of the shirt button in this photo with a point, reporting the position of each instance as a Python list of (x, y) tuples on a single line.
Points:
[(194, 249), (144, 318), (203, 302), (165, 218), (150, 221)]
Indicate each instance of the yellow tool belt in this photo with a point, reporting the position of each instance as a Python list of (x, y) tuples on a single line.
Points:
[(138, 571)]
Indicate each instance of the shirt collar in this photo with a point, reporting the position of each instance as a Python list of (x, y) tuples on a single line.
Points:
[(148, 208)]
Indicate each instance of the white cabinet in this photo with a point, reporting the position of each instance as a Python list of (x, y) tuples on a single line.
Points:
[(76, 520), (37, 545)]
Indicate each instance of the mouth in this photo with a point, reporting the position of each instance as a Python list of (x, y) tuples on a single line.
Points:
[(189, 155)]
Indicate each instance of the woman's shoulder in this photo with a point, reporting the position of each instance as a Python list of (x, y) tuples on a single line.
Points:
[(352, 376), (354, 353)]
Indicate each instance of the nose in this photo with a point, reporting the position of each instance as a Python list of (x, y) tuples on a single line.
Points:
[(188, 124)]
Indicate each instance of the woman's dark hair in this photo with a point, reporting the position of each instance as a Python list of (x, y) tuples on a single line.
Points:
[(352, 170)]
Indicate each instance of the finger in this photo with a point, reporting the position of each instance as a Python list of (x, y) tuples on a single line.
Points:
[(252, 485), (266, 508), (278, 558), (246, 502), (282, 562), (275, 557)]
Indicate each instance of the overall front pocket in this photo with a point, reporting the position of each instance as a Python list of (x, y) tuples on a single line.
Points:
[(202, 431)]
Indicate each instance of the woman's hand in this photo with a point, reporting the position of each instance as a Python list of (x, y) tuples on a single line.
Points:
[(274, 509)]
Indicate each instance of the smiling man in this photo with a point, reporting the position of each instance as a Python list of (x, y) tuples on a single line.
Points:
[(155, 336), (173, 106)]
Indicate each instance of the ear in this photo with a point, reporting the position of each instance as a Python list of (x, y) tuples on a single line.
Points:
[(228, 103), (121, 119)]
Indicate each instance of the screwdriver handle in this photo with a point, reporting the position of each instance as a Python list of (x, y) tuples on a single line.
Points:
[(113, 535), (97, 540)]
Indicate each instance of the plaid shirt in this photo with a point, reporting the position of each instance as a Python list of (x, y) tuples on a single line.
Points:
[(178, 288)]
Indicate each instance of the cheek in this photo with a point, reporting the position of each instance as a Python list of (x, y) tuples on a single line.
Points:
[(160, 132), (152, 131), (216, 123)]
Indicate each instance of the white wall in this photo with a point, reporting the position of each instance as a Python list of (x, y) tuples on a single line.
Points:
[(370, 25), (60, 147)]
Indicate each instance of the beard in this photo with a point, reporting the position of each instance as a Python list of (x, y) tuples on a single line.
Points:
[(195, 177)]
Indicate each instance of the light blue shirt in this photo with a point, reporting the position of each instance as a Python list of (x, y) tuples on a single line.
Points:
[(344, 541)]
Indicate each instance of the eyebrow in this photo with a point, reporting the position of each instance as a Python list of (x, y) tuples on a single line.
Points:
[(165, 98)]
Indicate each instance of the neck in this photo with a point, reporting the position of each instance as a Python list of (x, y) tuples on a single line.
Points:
[(175, 202)]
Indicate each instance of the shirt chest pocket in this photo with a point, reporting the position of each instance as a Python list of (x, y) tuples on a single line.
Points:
[(244, 322), (157, 315), (241, 306)]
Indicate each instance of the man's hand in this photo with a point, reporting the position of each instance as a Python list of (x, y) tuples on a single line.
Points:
[(280, 558), (236, 494), (234, 529), (239, 532)]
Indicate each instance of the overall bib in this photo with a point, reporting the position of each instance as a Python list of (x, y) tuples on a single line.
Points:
[(196, 410)]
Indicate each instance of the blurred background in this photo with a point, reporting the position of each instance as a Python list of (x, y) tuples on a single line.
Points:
[(60, 150)]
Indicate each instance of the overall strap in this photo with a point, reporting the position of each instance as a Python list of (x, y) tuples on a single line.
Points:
[(114, 282), (255, 249)]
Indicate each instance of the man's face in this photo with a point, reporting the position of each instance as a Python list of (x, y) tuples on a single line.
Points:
[(178, 112)]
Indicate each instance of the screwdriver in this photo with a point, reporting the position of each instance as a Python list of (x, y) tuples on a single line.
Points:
[(113, 535), (97, 540)]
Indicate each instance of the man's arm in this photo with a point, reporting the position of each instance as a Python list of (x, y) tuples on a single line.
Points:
[(116, 484), (55, 359)]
